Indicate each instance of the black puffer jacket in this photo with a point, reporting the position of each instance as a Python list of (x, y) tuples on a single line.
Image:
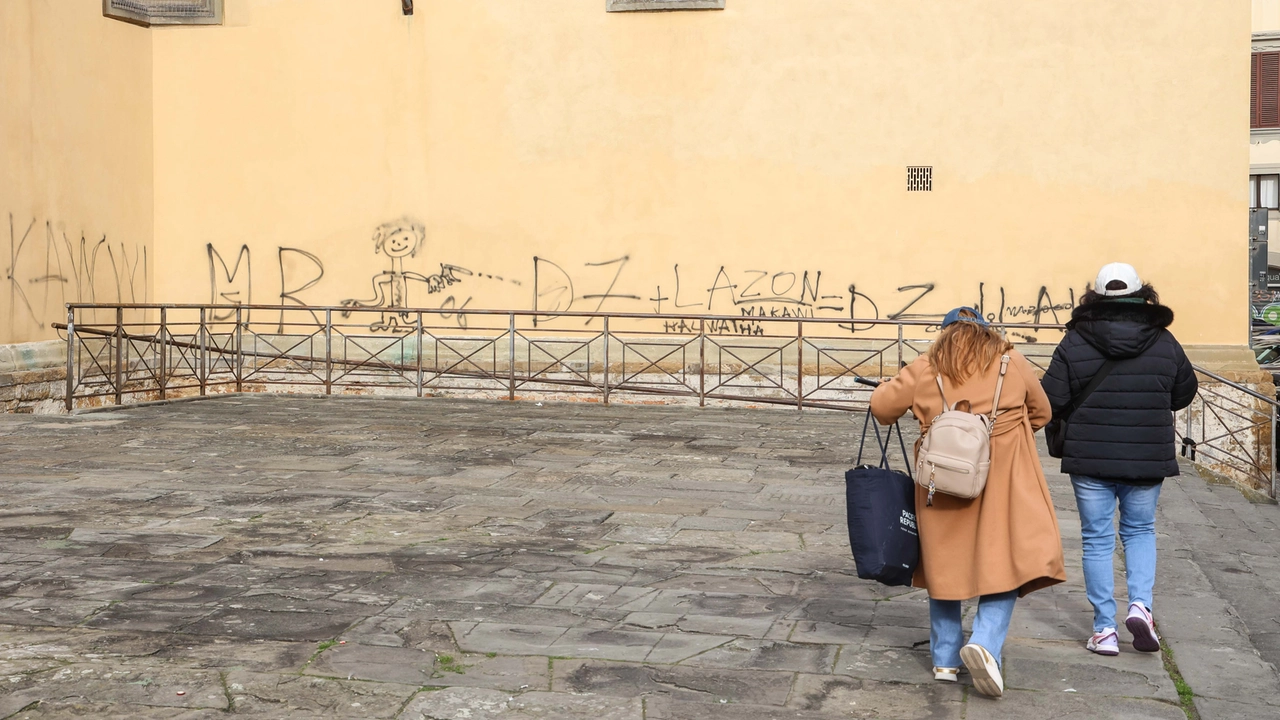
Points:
[(1124, 430)]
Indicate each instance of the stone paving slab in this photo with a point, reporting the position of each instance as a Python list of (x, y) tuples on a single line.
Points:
[(279, 557)]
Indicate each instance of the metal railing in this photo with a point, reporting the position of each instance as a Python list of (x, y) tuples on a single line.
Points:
[(128, 352), (131, 353), (1230, 428)]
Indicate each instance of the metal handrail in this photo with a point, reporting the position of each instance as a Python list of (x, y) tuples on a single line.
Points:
[(1237, 386), (216, 356), (551, 314)]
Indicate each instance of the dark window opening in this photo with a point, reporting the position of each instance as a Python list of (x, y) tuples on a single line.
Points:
[(1264, 191)]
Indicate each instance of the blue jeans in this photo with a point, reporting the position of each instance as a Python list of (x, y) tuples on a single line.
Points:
[(1096, 499), (990, 626)]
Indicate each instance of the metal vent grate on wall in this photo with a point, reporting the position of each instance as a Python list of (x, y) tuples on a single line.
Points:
[(920, 178), (164, 12)]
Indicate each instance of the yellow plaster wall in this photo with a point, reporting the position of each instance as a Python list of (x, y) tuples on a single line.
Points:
[(727, 152), (75, 162), (1266, 16), (629, 152)]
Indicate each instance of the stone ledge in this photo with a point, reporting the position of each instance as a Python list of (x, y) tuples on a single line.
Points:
[(23, 357), (1233, 362)]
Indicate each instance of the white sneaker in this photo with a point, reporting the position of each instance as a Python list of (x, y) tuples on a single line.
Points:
[(1105, 642), (1143, 627), (984, 669), (946, 674)]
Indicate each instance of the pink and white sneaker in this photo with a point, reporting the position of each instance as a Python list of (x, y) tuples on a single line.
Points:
[(1143, 627), (1105, 642)]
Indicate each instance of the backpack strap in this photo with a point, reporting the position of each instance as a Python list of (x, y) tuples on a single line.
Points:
[(995, 403), (946, 406)]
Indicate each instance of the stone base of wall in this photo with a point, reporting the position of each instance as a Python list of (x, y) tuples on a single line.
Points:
[(1230, 433), (1232, 429), (33, 377)]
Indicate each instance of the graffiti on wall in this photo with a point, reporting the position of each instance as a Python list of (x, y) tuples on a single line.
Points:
[(406, 279), (50, 267), (756, 293), (299, 271), (231, 282), (400, 239), (392, 289)]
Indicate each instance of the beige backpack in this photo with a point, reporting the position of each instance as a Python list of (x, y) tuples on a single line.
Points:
[(955, 453)]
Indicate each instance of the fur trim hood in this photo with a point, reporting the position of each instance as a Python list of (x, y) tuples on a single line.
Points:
[(1120, 329)]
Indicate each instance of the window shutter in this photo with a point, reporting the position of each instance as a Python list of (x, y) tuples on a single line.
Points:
[(1268, 91), (1253, 91)]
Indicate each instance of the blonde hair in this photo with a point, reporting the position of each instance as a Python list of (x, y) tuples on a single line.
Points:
[(966, 348)]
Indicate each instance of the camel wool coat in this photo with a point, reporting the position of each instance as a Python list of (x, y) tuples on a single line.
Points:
[(1006, 538)]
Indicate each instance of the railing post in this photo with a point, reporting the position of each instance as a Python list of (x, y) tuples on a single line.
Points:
[(799, 365), (899, 367), (71, 358), (1187, 411), (1272, 450), (511, 356), (239, 353), (606, 359), (418, 350), (328, 352), (702, 362), (164, 352), (119, 355), (204, 354)]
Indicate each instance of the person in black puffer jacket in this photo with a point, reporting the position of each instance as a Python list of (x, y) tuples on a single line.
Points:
[(1120, 443)]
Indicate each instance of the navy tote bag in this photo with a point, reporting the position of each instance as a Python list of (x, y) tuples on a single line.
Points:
[(882, 514)]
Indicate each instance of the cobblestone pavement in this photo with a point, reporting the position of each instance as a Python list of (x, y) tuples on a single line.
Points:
[(274, 557)]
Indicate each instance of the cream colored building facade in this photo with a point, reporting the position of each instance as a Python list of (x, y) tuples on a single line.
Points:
[(1264, 144), (552, 155)]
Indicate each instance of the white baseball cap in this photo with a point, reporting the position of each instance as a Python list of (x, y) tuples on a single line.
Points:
[(1112, 272)]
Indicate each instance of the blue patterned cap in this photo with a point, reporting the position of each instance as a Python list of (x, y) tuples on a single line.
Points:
[(954, 317)]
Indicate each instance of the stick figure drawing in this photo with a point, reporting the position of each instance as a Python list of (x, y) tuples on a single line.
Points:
[(397, 240)]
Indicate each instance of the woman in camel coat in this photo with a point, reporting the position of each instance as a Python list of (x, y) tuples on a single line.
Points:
[(1002, 544)]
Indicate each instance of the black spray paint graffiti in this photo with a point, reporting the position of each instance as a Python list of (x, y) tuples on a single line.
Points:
[(767, 294), (780, 296), (397, 240), (232, 284), (47, 269), (301, 271), (606, 286), (761, 293), (1043, 310), (685, 326), (553, 288)]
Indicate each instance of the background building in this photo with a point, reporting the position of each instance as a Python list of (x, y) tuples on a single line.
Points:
[(1264, 155), (815, 157)]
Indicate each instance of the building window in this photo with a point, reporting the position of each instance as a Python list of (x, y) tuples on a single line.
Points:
[(1264, 191), (164, 12), (659, 5), (1264, 91)]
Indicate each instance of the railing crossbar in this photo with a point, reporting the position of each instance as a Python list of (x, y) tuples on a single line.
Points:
[(754, 360)]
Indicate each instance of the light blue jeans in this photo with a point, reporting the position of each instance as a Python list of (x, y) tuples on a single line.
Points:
[(1097, 499), (990, 626)]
